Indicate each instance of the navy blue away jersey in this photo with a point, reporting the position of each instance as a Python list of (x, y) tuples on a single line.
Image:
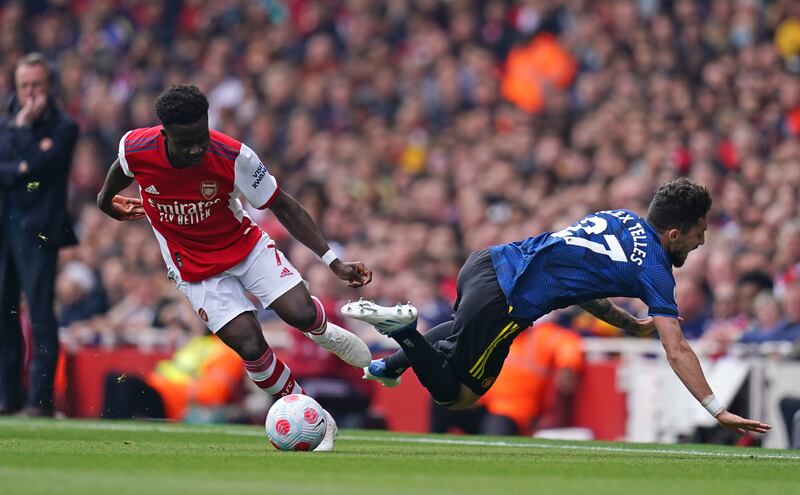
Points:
[(607, 254)]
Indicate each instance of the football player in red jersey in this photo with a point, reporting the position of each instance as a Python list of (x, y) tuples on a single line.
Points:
[(190, 179)]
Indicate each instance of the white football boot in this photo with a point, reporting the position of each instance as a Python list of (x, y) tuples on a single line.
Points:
[(331, 432), (346, 345), (385, 319)]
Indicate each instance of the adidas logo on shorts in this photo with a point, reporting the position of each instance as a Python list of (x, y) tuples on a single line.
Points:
[(286, 272)]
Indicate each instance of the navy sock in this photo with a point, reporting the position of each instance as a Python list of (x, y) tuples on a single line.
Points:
[(431, 366), (398, 363)]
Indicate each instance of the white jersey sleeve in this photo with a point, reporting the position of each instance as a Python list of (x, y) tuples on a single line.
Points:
[(253, 180), (123, 162)]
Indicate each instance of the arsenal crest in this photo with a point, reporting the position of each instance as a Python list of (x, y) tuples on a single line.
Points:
[(208, 188)]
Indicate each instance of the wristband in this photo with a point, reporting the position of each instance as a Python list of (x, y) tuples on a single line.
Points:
[(712, 405), (329, 257)]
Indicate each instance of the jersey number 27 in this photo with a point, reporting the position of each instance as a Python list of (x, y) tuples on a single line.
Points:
[(593, 225)]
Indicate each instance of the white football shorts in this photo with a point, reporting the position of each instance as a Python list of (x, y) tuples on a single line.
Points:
[(265, 273)]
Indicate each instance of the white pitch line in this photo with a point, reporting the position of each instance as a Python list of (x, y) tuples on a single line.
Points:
[(179, 428), (589, 448)]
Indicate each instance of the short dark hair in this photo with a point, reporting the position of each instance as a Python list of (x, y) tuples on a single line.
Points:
[(181, 104), (678, 204), (758, 278)]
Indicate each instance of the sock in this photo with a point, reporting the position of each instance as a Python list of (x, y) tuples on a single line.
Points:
[(321, 322), (317, 331), (398, 363), (272, 376), (431, 366)]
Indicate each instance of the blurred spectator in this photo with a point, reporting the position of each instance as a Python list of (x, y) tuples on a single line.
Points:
[(788, 328), (748, 287), (692, 296), (390, 118), (728, 322), (36, 144), (78, 293), (204, 373), (767, 312)]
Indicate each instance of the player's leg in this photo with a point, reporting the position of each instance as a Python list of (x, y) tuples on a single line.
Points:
[(433, 364), (483, 329), (269, 276), (243, 335), (457, 370), (400, 323), (387, 370), (222, 303), (305, 312)]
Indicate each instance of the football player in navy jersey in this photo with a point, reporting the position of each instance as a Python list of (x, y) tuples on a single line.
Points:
[(505, 288)]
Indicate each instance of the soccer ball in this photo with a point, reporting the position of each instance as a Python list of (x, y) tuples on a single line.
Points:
[(296, 422)]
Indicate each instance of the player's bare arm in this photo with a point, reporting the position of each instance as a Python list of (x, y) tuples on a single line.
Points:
[(684, 362), (303, 228), (111, 203), (612, 314)]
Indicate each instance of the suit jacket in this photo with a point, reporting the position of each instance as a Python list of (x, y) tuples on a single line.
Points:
[(39, 196)]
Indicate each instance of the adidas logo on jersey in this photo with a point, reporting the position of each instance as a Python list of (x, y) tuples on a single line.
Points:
[(286, 272), (151, 190)]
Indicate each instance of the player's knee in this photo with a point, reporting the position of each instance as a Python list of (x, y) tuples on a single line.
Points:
[(243, 335), (304, 319), (249, 347), (309, 317)]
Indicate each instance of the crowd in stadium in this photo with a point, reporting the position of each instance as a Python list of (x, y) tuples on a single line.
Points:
[(401, 127)]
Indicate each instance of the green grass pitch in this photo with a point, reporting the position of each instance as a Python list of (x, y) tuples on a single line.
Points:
[(88, 457)]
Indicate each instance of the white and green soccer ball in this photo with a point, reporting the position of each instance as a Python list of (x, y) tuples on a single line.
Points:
[(296, 422)]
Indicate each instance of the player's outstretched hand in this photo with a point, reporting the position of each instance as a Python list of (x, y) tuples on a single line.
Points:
[(126, 209), (741, 425), (356, 274), (644, 327)]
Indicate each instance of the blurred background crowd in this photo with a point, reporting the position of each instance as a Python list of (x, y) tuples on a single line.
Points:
[(415, 131)]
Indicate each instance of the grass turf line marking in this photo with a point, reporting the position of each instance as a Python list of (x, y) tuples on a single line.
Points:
[(591, 448), (179, 428)]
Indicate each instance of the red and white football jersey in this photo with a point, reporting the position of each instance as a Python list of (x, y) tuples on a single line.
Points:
[(195, 212)]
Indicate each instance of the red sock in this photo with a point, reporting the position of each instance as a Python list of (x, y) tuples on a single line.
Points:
[(320, 323), (271, 375)]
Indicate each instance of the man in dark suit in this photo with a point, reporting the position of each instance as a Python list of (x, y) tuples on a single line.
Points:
[(36, 144)]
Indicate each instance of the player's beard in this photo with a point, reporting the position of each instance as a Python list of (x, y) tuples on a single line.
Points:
[(677, 258)]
